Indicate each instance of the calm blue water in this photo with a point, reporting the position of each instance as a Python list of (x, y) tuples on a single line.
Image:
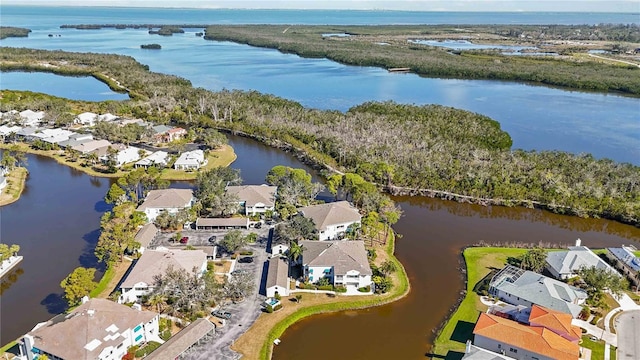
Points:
[(537, 117), (55, 16), (468, 45), (76, 88)]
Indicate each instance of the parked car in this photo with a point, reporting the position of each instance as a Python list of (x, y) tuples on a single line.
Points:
[(246, 260), (184, 240), (222, 314), (258, 225), (213, 239)]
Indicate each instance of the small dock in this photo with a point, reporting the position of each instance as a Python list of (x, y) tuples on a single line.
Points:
[(399, 70), (8, 265)]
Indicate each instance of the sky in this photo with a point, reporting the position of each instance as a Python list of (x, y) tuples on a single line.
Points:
[(632, 6)]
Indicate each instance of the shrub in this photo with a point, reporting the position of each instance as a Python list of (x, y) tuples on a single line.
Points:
[(595, 319), (277, 307), (277, 296), (340, 289), (147, 349), (326, 287), (365, 289), (268, 309), (249, 253)]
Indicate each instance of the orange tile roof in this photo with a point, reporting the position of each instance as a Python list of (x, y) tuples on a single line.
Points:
[(555, 321), (535, 339)]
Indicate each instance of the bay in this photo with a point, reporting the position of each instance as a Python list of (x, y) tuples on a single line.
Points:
[(76, 88)]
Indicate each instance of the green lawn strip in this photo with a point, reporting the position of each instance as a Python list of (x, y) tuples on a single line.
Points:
[(399, 290), (479, 262), (596, 347), (7, 347), (102, 285)]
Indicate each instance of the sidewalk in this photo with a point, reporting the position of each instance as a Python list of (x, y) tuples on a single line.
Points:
[(597, 332)]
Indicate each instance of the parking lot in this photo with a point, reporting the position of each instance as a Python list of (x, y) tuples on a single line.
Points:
[(203, 237)]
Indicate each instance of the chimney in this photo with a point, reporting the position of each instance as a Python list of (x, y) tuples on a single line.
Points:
[(85, 299), (578, 242)]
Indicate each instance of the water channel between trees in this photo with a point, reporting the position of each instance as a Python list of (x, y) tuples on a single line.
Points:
[(56, 224)]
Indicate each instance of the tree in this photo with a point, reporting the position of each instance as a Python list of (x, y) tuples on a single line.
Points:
[(78, 284), (298, 298), (210, 191), (239, 286), (156, 300), (297, 228), (295, 251), (234, 240), (13, 250), (212, 138), (115, 195), (294, 185), (8, 161), (387, 268), (382, 284), (598, 279), (534, 259)]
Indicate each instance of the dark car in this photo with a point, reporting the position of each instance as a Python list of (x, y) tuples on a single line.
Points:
[(222, 314), (184, 240), (246, 260), (213, 239), (258, 225)]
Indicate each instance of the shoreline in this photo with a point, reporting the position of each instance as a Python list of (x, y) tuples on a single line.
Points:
[(171, 176), (399, 291), (22, 181)]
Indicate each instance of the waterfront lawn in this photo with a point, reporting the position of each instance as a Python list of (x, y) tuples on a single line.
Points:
[(15, 186), (480, 261), (257, 342), (110, 279), (222, 157)]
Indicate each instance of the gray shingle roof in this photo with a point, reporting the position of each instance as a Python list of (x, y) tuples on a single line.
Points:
[(625, 255), (67, 336), (182, 341), (343, 255), (328, 214), (254, 194), (146, 234), (476, 353), (167, 198), (569, 262), (539, 289), (278, 273), (156, 262)]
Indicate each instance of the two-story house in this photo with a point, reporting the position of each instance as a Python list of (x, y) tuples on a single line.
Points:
[(169, 200), (254, 199), (344, 263), (332, 219)]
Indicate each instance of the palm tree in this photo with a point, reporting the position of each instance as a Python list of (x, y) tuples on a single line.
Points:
[(156, 300), (13, 250), (295, 251)]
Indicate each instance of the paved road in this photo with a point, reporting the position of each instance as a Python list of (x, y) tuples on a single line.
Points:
[(628, 329), (244, 315)]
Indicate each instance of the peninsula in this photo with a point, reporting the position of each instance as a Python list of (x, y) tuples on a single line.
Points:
[(446, 152)]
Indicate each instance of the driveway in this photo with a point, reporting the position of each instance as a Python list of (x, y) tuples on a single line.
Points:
[(628, 329), (243, 316)]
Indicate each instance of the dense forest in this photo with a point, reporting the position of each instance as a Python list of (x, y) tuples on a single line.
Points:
[(388, 47), (8, 31), (430, 150)]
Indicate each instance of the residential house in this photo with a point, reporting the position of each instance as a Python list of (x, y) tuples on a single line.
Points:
[(277, 277), (332, 219), (278, 246), (190, 160), (158, 158), (128, 155), (222, 223), (566, 264), (8, 130), (255, 199), (31, 118), (53, 136), (344, 263), (167, 134), (199, 331), (520, 287), (103, 151), (27, 133), (86, 118), (145, 236), (91, 146), (473, 352), (169, 200), (107, 117), (625, 260), (76, 139), (556, 321), (152, 263), (98, 329), (519, 341)]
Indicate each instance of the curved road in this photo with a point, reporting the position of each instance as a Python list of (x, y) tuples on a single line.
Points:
[(628, 329)]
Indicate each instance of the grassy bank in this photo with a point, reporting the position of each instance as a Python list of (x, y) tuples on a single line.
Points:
[(480, 261), (257, 343), (222, 157), (15, 185)]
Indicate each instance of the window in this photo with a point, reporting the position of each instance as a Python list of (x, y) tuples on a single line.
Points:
[(515, 351), (138, 337), (310, 271), (326, 271), (137, 328)]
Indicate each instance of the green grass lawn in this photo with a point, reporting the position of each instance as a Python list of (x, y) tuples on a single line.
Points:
[(480, 262), (222, 157), (597, 348)]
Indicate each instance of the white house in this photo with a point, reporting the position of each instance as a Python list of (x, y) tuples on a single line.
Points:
[(86, 118), (169, 200), (625, 260), (190, 160), (255, 199), (128, 155), (6, 130), (53, 136), (159, 158), (31, 118), (332, 219), (521, 287), (277, 278), (145, 235), (153, 263), (566, 264), (98, 329), (344, 263)]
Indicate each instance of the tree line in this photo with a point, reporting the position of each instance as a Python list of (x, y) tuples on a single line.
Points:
[(454, 154)]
